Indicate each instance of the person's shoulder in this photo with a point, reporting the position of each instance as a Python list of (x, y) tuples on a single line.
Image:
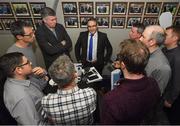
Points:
[(101, 33), (12, 48), (89, 90)]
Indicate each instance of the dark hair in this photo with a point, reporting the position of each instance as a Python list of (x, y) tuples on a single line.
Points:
[(47, 11), (176, 31), (92, 19), (135, 55), (140, 27), (17, 27)]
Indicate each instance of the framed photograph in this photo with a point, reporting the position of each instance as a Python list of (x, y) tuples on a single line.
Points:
[(118, 22), (86, 8), (132, 20), (71, 21), (21, 9), (119, 8), (5, 9), (69, 8), (153, 8), (103, 22), (7, 22), (1, 27), (177, 21), (170, 7), (136, 8), (83, 21), (37, 7), (102, 8), (150, 21), (28, 20), (37, 22)]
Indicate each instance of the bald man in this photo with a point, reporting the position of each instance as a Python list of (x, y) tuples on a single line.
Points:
[(158, 65)]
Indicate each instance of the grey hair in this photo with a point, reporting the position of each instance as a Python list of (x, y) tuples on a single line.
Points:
[(47, 11), (159, 37), (62, 70)]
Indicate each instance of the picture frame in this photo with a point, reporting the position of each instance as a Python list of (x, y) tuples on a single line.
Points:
[(153, 8), (119, 8), (150, 21), (83, 21), (36, 8), (118, 22), (1, 27), (37, 22), (136, 8), (28, 20), (132, 20), (71, 21), (177, 21), (69, 8), (5, 9), (6, 22), (103, 22), (102, 8), (86, 8), (21, 9), (170, 7), (178, 13)]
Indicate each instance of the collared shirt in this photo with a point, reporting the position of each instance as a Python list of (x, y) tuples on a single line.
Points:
[(23, 100), (74, 106), (95, 38)]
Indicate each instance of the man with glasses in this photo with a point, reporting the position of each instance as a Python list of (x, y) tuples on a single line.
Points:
[(23, 87), (24, 34), (93, 47)]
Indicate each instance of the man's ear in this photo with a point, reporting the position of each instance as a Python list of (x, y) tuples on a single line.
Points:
[(152, 42), (123, 66), (18, 70), (19, 37)]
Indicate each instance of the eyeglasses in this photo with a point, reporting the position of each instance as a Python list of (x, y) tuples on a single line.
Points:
[(28, 62), (30, 34)]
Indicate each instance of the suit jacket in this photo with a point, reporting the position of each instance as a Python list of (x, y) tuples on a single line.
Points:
[(51, 46), (102, 45)]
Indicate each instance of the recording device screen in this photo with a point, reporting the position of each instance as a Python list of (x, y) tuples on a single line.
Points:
[(93, 77)]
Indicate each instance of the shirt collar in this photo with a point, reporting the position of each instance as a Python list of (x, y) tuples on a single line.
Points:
[(94, 34), (19, 82), (70, 91)]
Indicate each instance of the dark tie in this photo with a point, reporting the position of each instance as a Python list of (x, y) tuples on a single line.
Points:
[(90, 47)]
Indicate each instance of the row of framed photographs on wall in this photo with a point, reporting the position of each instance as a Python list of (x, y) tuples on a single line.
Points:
[(115, 22), (120, 8), (103, 22), (21, 9), (6, 22)]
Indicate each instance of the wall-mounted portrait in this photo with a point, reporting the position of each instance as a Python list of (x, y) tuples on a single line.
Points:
[(5, 9), (103, 22), (21, 9), (177, 21), (71, 21), (118, 22), (150, 21), (119, 8), (132, 20), (85, 8), (170, 7), (83, 21), (153, 8), (136, 8), (28, 20), (7, 22), (37, 22), (102, 8), (36, 8), (69, 8), (1, 27)]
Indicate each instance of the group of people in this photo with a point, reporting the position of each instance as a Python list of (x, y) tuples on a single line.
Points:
[(149, 87)]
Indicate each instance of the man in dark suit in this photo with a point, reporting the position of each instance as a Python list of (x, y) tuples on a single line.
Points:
[(52, 37), (101, 49)]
